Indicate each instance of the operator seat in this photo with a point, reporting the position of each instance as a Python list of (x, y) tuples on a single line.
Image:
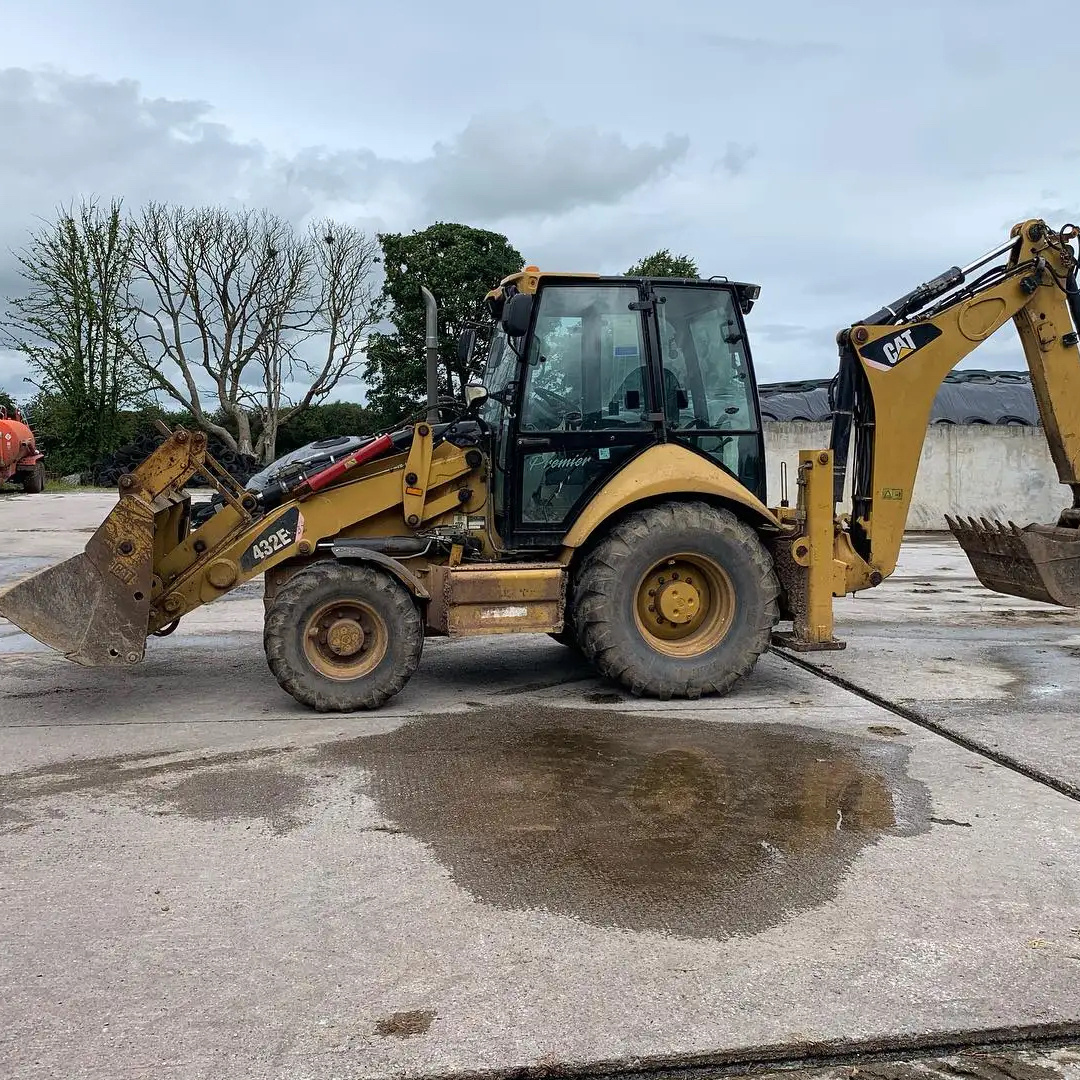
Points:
[(638, 380)]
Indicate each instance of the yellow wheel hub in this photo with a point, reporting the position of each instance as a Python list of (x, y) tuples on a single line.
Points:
[(678, 602), (684, 605), (345, 639)]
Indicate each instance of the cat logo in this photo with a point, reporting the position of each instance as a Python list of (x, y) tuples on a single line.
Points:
[(886, 352), (902, 345)]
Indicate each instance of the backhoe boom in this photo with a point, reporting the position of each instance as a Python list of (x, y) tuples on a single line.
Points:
[(891, 366)]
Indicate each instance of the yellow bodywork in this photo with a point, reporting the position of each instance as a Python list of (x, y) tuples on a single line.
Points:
[(143, 569), (665, 469), (904, 394)]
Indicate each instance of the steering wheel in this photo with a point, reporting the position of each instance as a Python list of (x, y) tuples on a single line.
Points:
[(553, 399)]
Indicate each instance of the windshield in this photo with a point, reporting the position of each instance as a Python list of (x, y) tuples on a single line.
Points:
[(586, 361)]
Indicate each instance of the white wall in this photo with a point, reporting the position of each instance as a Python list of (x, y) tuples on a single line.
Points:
[(973, 470)]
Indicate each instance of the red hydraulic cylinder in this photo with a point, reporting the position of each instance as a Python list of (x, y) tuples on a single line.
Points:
[(339, 468)]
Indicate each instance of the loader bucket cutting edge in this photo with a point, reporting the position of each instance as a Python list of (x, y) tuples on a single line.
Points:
[(1037, 562), (94, 607)]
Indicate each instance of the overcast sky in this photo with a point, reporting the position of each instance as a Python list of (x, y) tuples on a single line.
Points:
[(839, 153)]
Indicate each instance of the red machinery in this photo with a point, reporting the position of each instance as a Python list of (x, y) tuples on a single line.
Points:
[(20, 459)]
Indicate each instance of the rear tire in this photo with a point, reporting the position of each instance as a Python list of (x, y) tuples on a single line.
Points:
[(679, 600), (33, 480), (342, 636), (568, 634), (566, 637)]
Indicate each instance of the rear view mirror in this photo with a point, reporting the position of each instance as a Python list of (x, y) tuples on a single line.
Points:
[(516, 315), (466, 344), (475, 395)]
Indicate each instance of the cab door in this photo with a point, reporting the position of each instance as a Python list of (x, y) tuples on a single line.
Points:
[(710, 398), (502, 375), (587, 403)]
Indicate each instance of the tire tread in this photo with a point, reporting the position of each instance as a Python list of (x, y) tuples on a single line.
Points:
[(287, 611), (602, 578)]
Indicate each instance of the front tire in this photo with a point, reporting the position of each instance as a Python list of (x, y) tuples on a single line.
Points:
[(342, 636), (679, 600)]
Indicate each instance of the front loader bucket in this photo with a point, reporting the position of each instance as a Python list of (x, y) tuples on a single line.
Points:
[(1037, 562), (95, 607)]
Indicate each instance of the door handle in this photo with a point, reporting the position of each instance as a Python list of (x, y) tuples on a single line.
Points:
[(529, 440)]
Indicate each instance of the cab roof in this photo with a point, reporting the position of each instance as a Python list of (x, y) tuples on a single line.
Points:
[(528, 279)]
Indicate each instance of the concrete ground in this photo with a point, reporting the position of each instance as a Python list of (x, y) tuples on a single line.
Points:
[(515, 867)]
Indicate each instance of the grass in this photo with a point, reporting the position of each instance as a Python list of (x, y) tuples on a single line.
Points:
[(56, 486)]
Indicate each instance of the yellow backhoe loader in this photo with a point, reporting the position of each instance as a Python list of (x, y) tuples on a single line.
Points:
[(605, 485)]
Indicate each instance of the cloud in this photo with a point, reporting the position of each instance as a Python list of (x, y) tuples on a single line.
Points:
[(735, 158), (760, 49), (68, 134), (504, 165), (837, 159), (72, 136), (785, 332)]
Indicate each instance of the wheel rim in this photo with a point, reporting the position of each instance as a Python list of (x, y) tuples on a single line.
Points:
[(684, 604), (345, 639)]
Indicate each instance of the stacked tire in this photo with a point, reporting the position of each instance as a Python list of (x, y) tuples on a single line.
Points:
[(109, 469)]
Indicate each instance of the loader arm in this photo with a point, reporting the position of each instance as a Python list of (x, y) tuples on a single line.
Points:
[(891, 367), (145, 567)]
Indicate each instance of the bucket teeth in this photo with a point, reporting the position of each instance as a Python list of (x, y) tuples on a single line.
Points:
[(1037, 562)]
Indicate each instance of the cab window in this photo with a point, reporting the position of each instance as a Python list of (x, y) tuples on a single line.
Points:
[(586, 365), (708, 389), (498, 374), (706, 373)]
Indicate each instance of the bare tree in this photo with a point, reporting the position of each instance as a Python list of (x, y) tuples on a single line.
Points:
[(239, 305), (328, 338)]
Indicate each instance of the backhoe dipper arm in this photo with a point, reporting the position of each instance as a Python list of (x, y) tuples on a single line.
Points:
[(892, 364)]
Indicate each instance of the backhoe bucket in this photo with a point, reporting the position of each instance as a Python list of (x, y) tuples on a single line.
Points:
[(1037, 562), (95, 607)]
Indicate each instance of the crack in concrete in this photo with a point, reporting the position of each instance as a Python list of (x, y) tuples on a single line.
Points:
[(1029, 772)]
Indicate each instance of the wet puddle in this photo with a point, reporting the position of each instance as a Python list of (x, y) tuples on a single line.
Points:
[(692, 828), (245, 786), (670, 824)]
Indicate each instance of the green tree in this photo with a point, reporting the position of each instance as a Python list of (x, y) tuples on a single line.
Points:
[(664, 264), (7, 402), (459, 264), (324, 422), (74, 324)]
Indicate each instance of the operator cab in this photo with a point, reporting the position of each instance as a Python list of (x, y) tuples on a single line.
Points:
[(585, 373)]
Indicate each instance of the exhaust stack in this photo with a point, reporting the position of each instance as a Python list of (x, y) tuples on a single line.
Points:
[(431, 342)]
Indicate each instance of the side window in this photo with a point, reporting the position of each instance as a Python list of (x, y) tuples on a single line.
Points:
[(498, 373), (585, 369), (706, 379)]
